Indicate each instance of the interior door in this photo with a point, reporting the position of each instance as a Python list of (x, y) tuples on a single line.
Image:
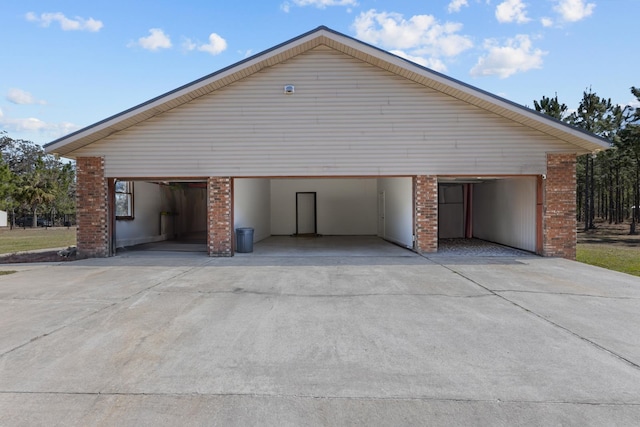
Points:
[(381, 214), (306, 213)]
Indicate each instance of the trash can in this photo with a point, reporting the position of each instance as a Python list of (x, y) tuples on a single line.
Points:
[(244, 240)]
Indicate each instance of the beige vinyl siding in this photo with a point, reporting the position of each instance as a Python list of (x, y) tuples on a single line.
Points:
[(346, 117)]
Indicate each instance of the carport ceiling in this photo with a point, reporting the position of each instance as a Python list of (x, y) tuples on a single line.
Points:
[(466, 180), (182, 184)]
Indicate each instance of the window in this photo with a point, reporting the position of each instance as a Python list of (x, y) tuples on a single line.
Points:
[(124, 200)]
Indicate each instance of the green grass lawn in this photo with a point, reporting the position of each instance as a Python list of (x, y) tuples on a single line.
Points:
[(20, 239), (618, 258)]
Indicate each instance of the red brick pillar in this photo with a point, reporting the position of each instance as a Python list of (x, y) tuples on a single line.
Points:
[(425, 197), (91, 208), (560, 206), (220, 220)]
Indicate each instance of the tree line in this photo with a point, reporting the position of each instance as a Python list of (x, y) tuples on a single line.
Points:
[(608, 182), (35, 188)]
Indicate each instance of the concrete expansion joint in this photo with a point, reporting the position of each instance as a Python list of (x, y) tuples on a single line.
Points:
[(543, 318), (323, 397), (83, 300), (80, 319), (521, 291), (64, 326), (238, 291)]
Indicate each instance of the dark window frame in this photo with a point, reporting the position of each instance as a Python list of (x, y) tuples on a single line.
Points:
[(125, 190)]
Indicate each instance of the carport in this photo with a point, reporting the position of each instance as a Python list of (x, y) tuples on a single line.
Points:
[(351, 208), (159, 214), (309, 216), (504, 210), (326, 215)]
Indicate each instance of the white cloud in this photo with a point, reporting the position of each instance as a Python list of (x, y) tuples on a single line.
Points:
[(156, 39), (19, 96), (188, 44), (456, 5), (574, 10), (420, 35), (66, 24), (33, 124), (433, 63), (215, 46), (516, 56), (512, 11), (546, 22)]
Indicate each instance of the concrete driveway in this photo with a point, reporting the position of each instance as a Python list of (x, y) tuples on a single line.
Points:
[(177, 339)]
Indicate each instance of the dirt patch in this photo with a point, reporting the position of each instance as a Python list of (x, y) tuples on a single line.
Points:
[(40, 256), (609, 234)]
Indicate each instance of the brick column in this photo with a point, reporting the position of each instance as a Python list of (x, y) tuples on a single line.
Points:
[(91, 208), (220, 220), (560, 206), (425, 197)]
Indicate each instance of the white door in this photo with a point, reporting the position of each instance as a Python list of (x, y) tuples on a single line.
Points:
[(306, 213), (381, 214)]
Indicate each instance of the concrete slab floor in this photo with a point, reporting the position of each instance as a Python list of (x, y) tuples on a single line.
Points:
[(265, 340), (332, 246)]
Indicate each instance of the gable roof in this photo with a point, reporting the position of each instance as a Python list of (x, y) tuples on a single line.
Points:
[(584, 141)]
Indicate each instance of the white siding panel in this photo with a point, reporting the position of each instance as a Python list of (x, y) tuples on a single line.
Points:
[(504, 211), (345, 118)]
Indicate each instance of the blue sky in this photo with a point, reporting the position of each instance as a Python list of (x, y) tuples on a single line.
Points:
[(68, 64)]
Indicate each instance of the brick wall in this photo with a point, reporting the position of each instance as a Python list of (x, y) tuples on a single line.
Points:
[(425, 189), (560, 206), (220, 220), (91, 208)]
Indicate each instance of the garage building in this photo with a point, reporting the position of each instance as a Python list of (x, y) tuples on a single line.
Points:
[(326, 135)]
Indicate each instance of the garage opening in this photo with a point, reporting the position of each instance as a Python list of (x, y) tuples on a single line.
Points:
[(502, 210), (340, 211), (160, 215)]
